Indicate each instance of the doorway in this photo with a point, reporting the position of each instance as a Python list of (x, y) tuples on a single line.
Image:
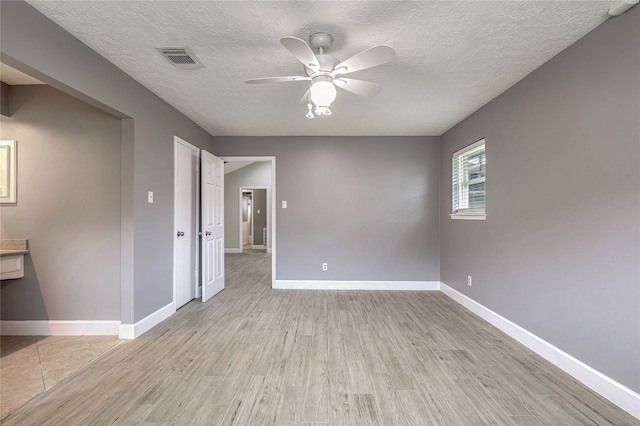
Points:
[(246, 218), (198, 245), (244, 226), (254, 218)]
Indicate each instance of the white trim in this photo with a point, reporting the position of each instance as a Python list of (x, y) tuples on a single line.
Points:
[(176, 141), (258, 247), (356, 285), (233, 250), (269, 250), (59, 328), (11, 146), (615, 392), (133, 331), (468, 148), (271, 209), (468, 216)]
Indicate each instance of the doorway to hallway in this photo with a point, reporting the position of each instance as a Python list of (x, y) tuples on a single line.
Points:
[(254, 218), (250, 213)]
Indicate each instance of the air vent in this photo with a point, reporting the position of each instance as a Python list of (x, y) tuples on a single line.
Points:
[(181, 57)]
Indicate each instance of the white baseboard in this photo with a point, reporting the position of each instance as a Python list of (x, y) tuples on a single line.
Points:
[(258, 247), (269, 250), (59, 328), (615, 392), (133, 331), (355, 285), (232, 250)]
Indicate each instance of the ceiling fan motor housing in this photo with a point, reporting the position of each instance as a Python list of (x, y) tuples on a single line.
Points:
[(327, 64)]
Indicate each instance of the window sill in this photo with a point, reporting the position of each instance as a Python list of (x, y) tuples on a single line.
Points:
[(468, 216)]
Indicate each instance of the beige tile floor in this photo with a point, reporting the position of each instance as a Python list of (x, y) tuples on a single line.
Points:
[(30, 365)]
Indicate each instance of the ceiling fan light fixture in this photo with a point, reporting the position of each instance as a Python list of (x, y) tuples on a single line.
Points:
[(323, 92)]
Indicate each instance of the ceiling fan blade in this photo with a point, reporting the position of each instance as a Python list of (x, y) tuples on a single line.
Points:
[(277, 79), (301, 50), (359, 87), (377, 55), (305, 99)]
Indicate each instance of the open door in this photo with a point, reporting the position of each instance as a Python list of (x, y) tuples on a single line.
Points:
[(212, 214)]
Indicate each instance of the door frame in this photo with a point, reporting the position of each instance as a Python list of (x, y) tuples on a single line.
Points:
[(271, 199), (196, 150), (253, 236)]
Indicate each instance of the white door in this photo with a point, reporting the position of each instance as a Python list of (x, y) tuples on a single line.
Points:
[(212, 213), (186, 223)]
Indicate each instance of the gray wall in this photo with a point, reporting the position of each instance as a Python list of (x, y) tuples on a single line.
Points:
[(68, 207), (559, 252), (32, 43), (368, 206), (256, 174), (259, 215)]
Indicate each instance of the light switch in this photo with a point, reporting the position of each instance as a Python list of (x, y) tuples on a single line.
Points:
[(284, 204), (150, 197)]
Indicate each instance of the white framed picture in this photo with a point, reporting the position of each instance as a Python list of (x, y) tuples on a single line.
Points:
[(8, 175)]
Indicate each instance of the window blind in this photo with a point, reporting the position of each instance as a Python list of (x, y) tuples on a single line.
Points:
[(468, 178)]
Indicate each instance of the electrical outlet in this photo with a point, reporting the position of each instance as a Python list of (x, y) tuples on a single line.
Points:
[(324, 266), (284, 204), (469, 280), (150, 197)]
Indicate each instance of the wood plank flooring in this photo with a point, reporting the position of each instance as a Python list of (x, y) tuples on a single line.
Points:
[(257, 356)]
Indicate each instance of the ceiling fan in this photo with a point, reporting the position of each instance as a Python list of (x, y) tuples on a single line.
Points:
[(325, 71)]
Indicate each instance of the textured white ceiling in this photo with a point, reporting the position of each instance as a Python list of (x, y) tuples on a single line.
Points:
[(452, 56)]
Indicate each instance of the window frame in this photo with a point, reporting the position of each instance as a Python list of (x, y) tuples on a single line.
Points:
[(468, 213)]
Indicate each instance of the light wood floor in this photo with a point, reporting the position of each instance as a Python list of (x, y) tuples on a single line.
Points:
[(254, 356)]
